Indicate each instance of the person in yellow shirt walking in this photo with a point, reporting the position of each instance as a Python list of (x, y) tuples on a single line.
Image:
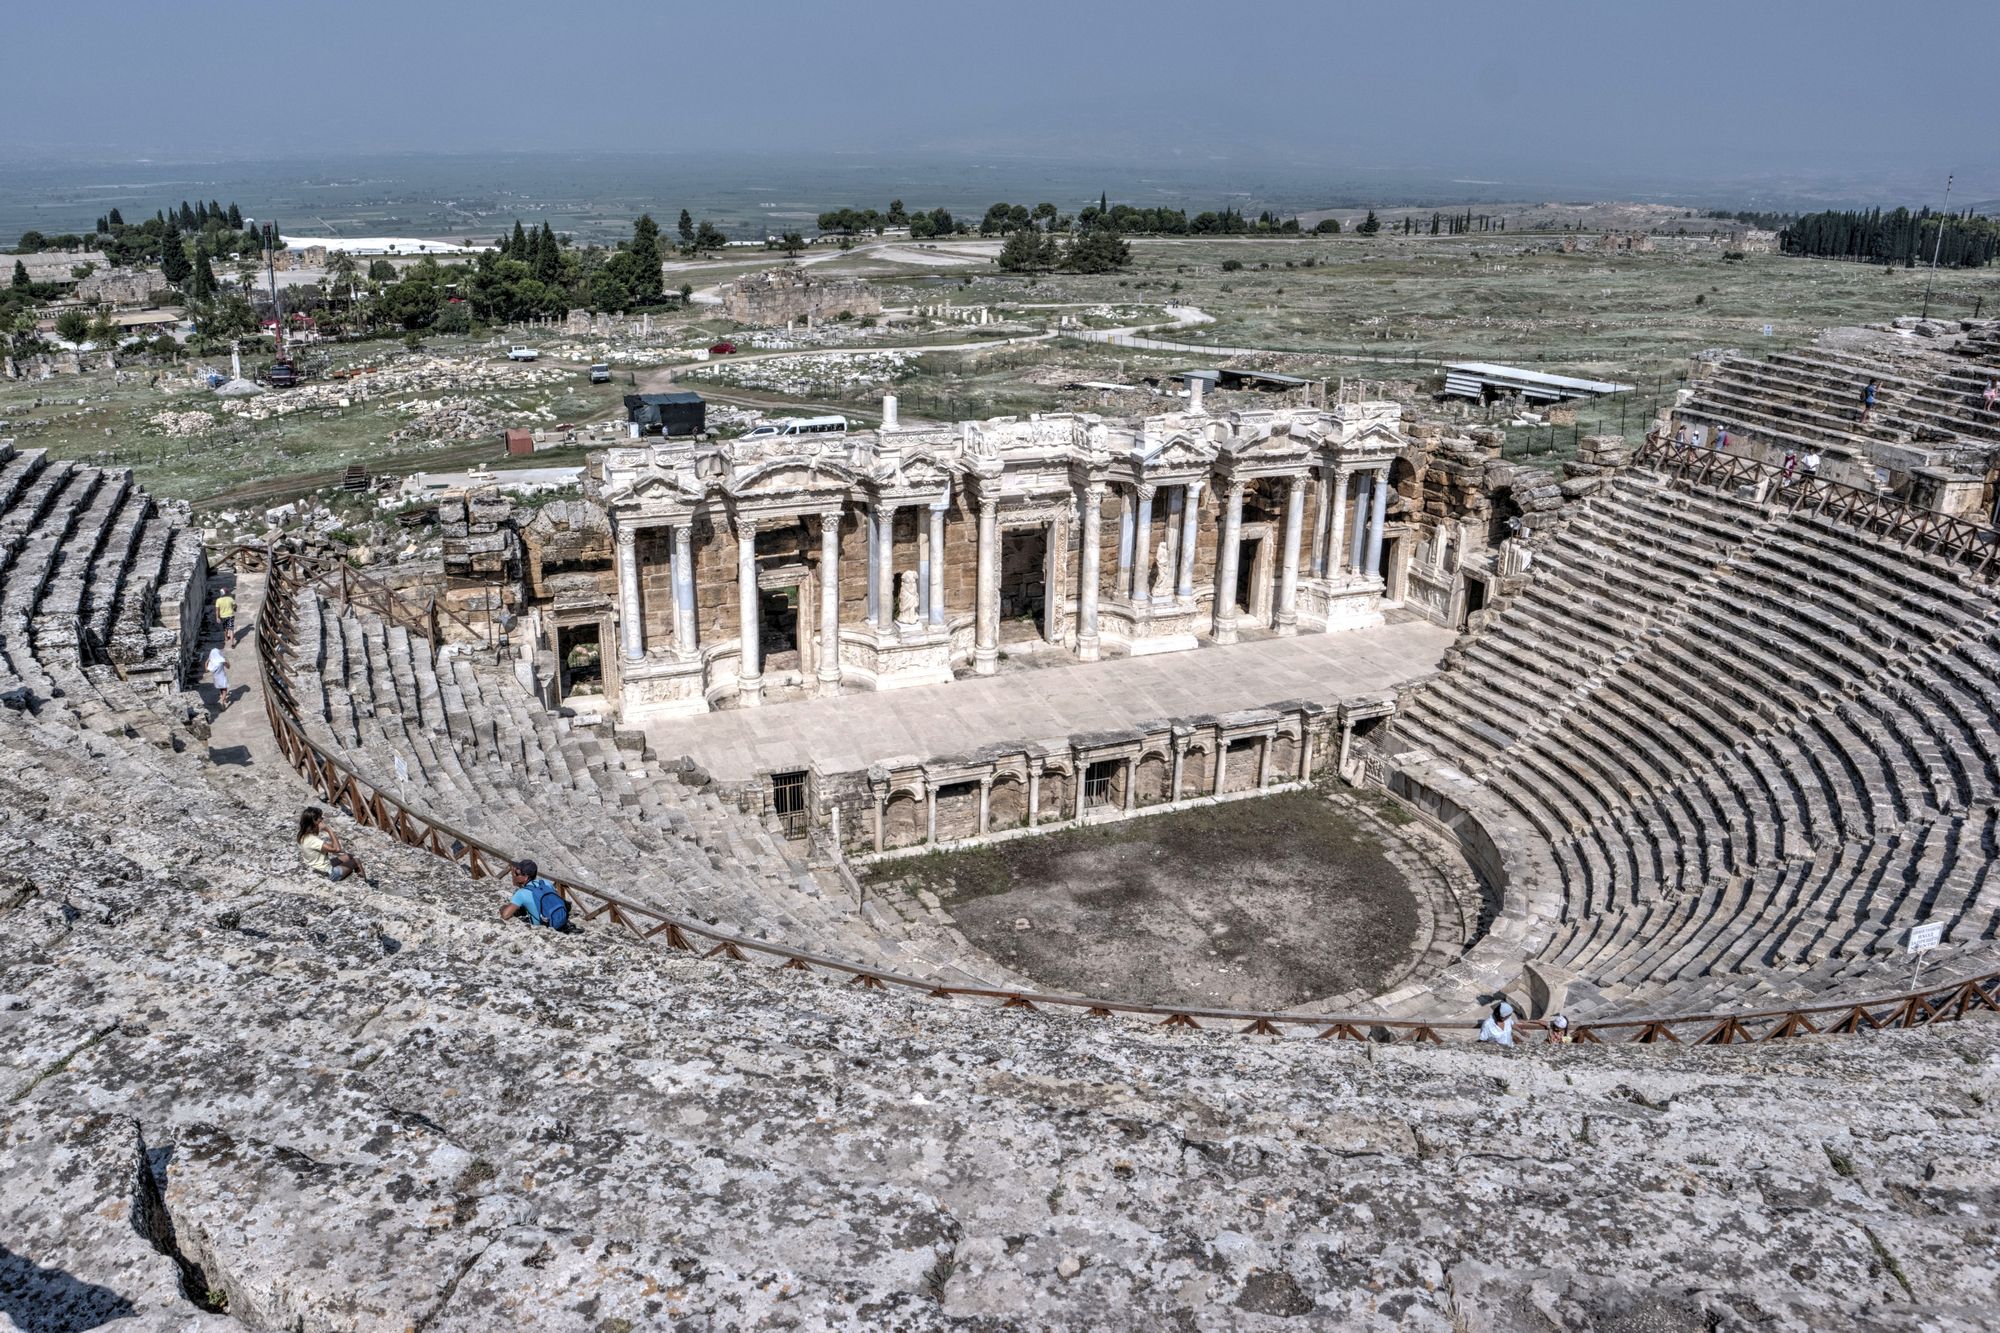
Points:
[(225, 615)]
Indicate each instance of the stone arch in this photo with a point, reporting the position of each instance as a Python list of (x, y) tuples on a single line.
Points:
[(1008, 804), (1285, 758), (1197, 770), (904, 822), (1153, 776), (1056, 798)]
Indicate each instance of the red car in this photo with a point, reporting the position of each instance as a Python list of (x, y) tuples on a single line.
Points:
[(722, 349)]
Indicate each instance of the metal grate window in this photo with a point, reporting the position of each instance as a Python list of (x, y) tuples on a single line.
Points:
[(1097, 780), (788, 801)]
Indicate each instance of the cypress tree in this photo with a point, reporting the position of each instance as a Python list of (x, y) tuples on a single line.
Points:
[(235, 218), (117, 218), (517, 244)]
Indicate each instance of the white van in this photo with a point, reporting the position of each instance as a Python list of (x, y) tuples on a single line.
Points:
[(798, 426), (523, 354)]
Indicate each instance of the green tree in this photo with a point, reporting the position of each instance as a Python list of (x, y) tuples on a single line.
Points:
[(645, 280), (517, 244), (1327, 227), (1022, 252), (793, 242), (687, 293), (20, 274), (1370, 224), (174, 266), (687, 230), (73, 326), (234, 218), (1096, 251), (897, 217), (548, 257), (116, 218), (381, 270), (32, 242), (708, 236), (203, 285)]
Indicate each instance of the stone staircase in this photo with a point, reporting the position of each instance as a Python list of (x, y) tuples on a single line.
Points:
[(1759, 745), (457, 737)]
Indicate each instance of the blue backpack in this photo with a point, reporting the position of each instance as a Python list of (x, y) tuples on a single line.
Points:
[(551, 906)]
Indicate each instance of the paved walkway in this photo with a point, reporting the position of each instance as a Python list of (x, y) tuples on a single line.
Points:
[(939, 721)]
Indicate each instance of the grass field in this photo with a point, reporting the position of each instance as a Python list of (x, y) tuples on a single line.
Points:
[(1384, 309)]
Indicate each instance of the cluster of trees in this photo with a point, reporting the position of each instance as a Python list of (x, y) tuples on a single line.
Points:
[(1099, 250), (1751, 218), (853, 221), (1898, 237)]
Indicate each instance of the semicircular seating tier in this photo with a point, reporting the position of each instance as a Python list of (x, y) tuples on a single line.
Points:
[(101, 593), (1729, 753), (461, 739)]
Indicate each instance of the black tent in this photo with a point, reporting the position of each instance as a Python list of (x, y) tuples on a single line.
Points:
[(667, 413)]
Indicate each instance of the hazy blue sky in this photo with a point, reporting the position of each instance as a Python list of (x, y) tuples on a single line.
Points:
[(1692, 89)]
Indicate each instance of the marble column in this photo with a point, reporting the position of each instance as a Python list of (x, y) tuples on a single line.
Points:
[(1034, 791), (1090, 572), (1170, 530), (986, 643), (1376, 518), (1180, 762), (985, 805), (1126, 505), (631, 625), (1190, 539), (1360, 542), (1286, 621), (885, 567), (1342, 479), (871, 538), (937, 565), (751, 674), (1225, 565), (685, 637), (828, 672), (1320, 489), (1221, 765), (1142, 547)]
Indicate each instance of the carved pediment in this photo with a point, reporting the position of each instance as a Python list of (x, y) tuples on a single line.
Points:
[(794, 475)]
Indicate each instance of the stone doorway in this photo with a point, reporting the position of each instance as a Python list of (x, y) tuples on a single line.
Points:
[(778, 627), (580, 660), (1024, 579), (1253, 580)]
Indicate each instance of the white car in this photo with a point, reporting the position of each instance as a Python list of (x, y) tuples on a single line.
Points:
[(523, 354)]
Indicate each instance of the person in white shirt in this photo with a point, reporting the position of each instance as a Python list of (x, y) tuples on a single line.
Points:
[(1497, 1028)]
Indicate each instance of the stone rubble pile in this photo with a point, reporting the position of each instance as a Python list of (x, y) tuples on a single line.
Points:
[(806, 376)]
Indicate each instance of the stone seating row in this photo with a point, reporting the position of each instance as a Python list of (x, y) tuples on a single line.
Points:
[(461, 740), (69, 540), (1778, 764)]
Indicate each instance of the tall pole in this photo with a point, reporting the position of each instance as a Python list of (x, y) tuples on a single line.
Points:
[(1938, 246)]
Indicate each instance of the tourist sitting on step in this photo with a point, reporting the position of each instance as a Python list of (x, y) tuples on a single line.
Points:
[(1497, 1028), (320, 850), (1559, 1030), (536, 897)]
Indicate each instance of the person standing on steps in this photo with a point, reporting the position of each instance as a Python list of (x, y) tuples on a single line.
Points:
[(225, 616), (1811, 461), (218, 670), (1992, 395), (1867, 401), (536, 897)]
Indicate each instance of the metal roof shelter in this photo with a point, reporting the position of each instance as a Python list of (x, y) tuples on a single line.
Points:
[(1267, 380), (1483, 379)]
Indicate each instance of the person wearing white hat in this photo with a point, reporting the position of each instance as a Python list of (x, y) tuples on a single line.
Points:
[(1498, 1026), (1559, 1030)]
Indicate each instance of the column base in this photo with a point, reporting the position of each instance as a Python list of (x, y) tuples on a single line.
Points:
[(750, 692), (985, 661), (1090, 649), (826, 685), (1224, 633), (1285, 628)]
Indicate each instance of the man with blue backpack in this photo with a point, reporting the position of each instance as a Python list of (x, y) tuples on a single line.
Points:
[(539, 899)]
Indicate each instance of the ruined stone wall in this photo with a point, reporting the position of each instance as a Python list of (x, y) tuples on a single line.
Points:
[(782, 296)]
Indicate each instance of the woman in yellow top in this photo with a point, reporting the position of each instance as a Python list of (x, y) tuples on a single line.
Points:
[(320, 850), (225, 616)]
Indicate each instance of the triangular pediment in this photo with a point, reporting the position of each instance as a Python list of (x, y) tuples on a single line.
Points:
[(786, 475)]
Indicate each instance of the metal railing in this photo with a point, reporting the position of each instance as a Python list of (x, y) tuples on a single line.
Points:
[(1884, 516), (344, 787)]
